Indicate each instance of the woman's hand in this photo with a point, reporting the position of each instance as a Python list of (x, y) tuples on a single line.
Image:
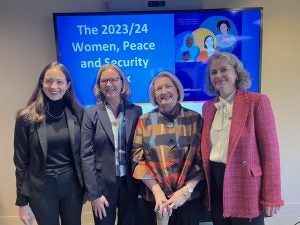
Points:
[(99, 205), (271, 211), (178, 198), (26, 215), (186, 57), (160, 199)]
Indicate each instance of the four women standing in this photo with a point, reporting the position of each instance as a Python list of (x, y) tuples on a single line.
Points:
[(240, 151)]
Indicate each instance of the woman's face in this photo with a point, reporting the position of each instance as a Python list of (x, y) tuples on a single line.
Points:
[(189, 41), (222, 76), (166, 94), (110, 84), (209, 42), (55, 84), (224, 28)]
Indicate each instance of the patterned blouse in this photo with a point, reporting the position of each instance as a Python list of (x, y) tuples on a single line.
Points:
[(168, 151)]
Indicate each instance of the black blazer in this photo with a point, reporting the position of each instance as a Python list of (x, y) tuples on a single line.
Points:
[(30, 153), (98, 151)]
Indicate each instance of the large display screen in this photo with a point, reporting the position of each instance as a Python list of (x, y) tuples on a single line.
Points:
[(144, 43)]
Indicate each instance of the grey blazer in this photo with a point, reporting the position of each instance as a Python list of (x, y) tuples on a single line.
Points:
[(30, 153), (98, 151)]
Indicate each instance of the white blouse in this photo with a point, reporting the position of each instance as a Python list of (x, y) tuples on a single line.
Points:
[(220, 129)]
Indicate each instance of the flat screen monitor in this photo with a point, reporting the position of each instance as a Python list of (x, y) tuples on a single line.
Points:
[(144, 43)]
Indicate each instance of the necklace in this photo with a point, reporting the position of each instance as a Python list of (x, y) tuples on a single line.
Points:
[(55, 117)]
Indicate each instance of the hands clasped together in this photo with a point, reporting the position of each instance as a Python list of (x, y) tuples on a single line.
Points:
[(164, 206)]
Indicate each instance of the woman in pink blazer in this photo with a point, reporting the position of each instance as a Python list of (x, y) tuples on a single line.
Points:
[(239, 147)]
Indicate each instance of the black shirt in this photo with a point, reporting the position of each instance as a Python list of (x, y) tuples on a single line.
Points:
[(59, 155)]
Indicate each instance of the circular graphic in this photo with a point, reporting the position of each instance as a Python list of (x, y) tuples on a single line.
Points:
[(224, 30)]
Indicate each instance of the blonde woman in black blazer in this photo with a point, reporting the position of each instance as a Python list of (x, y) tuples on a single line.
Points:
[(47, 152), (106, 141)]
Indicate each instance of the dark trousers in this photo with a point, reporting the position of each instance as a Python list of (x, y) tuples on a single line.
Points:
[(60, 200), (124, 203), (217, 177), (187, 214)]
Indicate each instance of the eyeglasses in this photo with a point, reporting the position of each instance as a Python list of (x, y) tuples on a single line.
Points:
[(112, 80)]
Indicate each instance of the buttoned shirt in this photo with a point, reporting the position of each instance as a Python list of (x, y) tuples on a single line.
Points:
[(167, 150)]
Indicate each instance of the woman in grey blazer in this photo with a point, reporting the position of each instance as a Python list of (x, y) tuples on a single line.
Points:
[(47, 152), (106, 141)]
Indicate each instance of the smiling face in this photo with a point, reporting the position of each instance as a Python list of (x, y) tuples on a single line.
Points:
[(166, 94), (111, 85), (55, 84), (223, 76)]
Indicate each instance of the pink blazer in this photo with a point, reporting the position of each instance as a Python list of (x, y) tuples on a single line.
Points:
[(252, 174)]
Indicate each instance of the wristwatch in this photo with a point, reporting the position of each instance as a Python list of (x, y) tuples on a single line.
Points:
[(189, 188)]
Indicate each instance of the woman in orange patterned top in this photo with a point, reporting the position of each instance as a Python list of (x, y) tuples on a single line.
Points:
[(166, 155)]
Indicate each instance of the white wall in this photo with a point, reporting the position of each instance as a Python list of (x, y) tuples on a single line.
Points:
[(27, 45)]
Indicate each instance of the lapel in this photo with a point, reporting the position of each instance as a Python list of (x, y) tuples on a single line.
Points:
[(41, 131), (210, 112), (129, 115), (104, 120), (71, 124), (240, 113)]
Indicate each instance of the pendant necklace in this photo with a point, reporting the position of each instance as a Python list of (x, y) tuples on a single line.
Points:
[(55, 117)]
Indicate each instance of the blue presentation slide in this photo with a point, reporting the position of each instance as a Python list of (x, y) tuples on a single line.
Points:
[(142, 44)]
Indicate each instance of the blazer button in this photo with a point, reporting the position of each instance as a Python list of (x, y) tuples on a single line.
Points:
[(244, 163)]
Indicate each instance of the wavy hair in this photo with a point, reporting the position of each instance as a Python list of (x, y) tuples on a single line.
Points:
[(34, 111), (243, 80), (174, 80)]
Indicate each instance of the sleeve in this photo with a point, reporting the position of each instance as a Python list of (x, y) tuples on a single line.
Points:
[(198, 144), (140, 169), (21, 158), (88, 130), (196, 171), (139, 111), (266, 135)]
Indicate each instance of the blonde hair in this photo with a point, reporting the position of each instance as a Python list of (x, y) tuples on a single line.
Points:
[(126, 90), (174, 80), (243, 80)]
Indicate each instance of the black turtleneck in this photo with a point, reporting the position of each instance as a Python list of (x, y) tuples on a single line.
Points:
[(59, 157), (54, 108)]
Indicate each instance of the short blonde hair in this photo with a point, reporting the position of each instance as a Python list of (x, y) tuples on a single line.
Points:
[(174, 80)]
